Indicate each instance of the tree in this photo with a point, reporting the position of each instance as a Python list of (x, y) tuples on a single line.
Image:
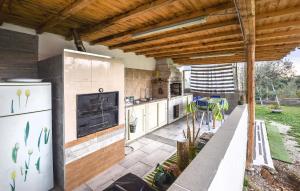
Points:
[(273, 76)]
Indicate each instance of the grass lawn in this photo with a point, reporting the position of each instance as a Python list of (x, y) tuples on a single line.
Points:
[(290, 116), (278, 150)]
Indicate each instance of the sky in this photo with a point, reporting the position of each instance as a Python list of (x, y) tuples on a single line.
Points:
[(295, 58)]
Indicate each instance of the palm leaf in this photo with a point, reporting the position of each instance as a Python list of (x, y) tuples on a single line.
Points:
[(39, 141), (37, 164), (14, 155), (26, 132)]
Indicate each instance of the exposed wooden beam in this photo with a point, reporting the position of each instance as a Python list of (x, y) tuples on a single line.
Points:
[(177, 53), (196, 50), (53, 20), (187, 42), (196, 44), (200, 44), (232, 53), (86, 33), (204, 12), (263, 40), (284, 40), (282, 12), (223, 60), (200, 39), (148, 43), (1, 11), (141, 44), (285, 24)]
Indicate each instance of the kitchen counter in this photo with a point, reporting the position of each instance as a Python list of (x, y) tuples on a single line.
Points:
[(145, 102)]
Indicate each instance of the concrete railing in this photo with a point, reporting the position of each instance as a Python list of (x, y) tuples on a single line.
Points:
[(221, 163)]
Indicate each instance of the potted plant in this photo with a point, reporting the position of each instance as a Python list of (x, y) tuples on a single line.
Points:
[(275, 108)]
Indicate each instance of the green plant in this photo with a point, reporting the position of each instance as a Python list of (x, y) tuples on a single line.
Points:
[(15, 152), (13, 176), (275, 106), (191, 134), (298, 93), (26, 134), (217, 108), (27, 94)]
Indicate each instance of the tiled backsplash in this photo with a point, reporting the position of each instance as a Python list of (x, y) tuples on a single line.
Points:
[(136, 81)]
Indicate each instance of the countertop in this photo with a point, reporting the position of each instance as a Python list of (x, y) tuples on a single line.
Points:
[(156, 100), (145, 102)]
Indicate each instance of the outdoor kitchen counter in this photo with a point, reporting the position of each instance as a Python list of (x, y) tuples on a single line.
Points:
[(145, 102)]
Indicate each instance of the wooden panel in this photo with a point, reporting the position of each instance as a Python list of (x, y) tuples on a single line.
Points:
[(81, 170)]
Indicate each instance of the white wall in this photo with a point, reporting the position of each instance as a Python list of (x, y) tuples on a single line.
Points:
[(51, 45), (230, 174)]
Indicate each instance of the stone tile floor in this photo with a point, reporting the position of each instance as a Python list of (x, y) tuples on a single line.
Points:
[(143, 155)]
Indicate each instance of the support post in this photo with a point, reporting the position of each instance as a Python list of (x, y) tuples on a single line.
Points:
[(251, 100)]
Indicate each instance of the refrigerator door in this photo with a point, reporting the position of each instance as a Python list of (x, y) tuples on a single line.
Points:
[(18, 99), (26, 152)]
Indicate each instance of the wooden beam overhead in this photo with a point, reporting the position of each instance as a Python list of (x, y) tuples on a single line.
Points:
[(224, 61), (227, 42), (282, 12), (196, 50), (202, 39), (144, 43), (1, 12), (204, 12), (125, 16), (188, 41), (177, 53), (195, 44), (137, 44), (68, 11), (235, 52), (285, 24), (282, 40)]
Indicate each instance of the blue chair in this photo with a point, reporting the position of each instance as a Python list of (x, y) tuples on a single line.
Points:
[(215, 96)]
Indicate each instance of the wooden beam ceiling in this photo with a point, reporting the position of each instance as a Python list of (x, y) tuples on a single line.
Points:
[(1, 14), (229, 43), (85, 33), (282, 12), (226, 51), (200, 40), (196, 14), (68, 11), (287, 11)]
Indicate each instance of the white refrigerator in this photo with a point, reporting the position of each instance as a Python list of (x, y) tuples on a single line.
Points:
[(26, 137)]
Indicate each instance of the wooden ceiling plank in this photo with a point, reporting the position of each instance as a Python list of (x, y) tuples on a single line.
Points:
[(282, 12), (199, 45), (220, 48), (262, 40), (125, 16), (195, 40), (53, 20), (187, 16), (190, 40), (285, 24), (1, 12), (143, 42)]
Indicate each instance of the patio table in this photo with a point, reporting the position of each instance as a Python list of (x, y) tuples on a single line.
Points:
[(215, 105)]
